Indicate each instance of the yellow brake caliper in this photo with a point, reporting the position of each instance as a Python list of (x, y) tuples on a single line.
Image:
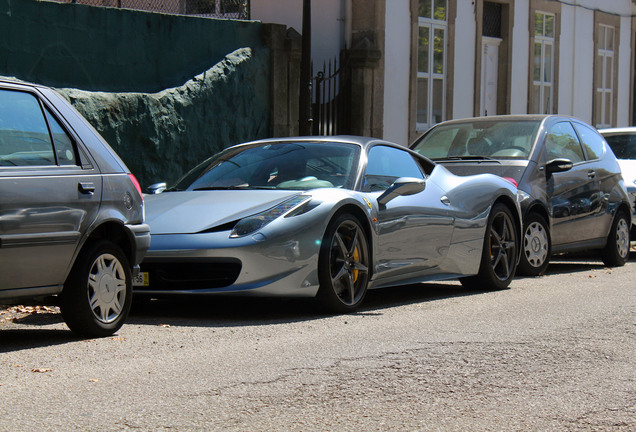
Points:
[(356, 257)]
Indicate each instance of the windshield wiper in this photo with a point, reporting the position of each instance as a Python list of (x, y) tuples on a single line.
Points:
[(465, 158), (232, 188), (220, 188)]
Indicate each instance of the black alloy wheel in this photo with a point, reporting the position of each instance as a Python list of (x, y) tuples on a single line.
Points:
[(343, 265), (499, 252)]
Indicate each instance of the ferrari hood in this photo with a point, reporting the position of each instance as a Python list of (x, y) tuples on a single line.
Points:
[(191, 212)]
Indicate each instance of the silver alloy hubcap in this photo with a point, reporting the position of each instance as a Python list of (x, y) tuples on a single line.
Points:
[(107, 288), (535, 244), (622, 238)]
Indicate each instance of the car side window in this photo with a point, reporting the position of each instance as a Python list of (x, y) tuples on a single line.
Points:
[(24, 135), (25, 138), (63, 143), (386, 164), (592, 141), (562, 142)]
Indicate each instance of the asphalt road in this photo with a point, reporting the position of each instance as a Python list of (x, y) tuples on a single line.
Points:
[(554, 353)]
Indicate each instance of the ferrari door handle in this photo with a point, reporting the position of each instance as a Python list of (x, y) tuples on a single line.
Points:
[(86, 188), (591, 174)]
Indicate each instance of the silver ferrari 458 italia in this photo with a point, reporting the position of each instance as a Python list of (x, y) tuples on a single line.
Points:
[(329, 217)]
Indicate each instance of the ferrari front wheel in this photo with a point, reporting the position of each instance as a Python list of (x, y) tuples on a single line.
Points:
[(343, 265), (499, 252)]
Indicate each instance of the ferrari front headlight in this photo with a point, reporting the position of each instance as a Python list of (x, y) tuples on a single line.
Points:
[(253, 223)]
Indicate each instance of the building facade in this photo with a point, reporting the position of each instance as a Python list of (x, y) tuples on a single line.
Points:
[(445, 59)]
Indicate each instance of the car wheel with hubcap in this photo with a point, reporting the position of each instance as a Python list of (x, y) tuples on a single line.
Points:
[(499, 252), (343, 265), (616, 251), (98, 293), (536, 247)]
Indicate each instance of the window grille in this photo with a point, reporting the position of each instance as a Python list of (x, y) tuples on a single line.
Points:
[(491, 25)]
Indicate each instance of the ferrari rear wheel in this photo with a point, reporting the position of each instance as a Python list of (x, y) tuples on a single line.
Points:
[(499, 253), (343, 265)]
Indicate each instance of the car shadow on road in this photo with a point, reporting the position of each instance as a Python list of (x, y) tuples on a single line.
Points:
[(220, 311), (16, 339), (579, 262)]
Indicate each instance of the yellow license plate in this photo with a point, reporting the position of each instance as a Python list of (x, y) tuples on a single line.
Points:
[(142, 279)]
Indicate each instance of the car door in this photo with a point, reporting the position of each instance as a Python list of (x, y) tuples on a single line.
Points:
[(571, 193), (607, 177), (48, 196), (414, 231)]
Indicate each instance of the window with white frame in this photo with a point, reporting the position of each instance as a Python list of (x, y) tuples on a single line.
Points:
[(431, 63), (604, 75), (543, 64)]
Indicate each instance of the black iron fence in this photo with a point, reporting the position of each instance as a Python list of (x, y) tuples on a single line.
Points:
[(332, 90), (235, 9)]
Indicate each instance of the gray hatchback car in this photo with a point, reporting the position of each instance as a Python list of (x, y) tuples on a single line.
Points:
[(72, 226)]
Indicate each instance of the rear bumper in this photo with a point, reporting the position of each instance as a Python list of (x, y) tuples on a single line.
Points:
[(140, 234)]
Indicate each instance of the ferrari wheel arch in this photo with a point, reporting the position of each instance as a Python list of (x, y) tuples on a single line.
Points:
[(363, 219), (509, 202), (343, 264)]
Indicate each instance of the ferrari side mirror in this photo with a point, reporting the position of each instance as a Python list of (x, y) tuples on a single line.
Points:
[(157, 188), (402, 187)]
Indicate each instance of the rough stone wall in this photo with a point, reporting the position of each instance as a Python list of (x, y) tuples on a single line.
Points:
[(161, 135)]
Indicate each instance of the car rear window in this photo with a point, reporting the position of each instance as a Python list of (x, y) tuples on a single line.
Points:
[(623, 145)]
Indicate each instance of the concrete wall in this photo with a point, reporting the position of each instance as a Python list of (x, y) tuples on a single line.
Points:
[(328, 23), (124, 61)]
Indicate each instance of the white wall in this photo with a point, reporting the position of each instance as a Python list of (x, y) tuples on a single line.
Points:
[(576, 74), (624, 73), (464, 74), (397, 71), (566, 61), (520, 58)]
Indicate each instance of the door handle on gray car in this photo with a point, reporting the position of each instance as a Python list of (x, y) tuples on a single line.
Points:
[(86, 188), (591, 174)]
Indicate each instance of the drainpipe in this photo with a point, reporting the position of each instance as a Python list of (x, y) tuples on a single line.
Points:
[(304, 109)]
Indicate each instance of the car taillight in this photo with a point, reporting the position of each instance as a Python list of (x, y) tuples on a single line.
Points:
[(133, 179), (511, 180)]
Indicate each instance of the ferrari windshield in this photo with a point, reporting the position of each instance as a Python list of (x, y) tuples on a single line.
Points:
[(472, 140), (281, 165)]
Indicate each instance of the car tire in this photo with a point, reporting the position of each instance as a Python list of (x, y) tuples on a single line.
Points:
[(499, 253), (536, 246), (97, 295), (343, 265), (616, 251)]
